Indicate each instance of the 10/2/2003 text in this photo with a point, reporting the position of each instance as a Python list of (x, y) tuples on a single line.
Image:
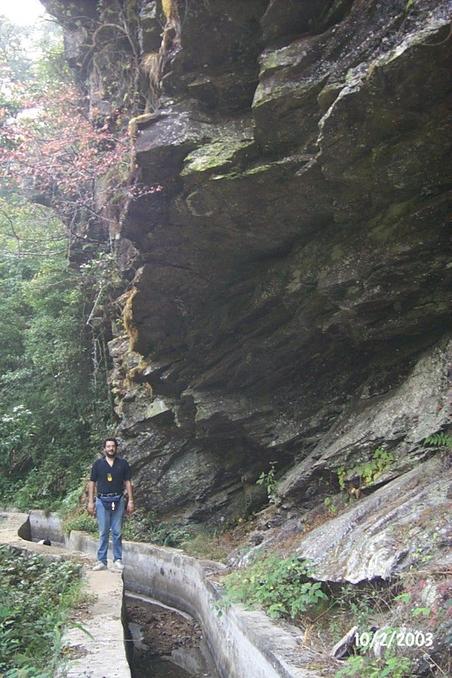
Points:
[(399, 637)]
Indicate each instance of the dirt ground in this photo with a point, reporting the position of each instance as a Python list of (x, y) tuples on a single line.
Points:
[(163, 630)]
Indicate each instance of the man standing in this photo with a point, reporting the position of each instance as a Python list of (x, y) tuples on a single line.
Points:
[(110, 476)]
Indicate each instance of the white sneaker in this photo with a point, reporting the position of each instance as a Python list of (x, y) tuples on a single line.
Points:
[(117, 565), (99, 566)]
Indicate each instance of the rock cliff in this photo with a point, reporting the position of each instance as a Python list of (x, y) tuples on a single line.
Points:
[(285, 243)]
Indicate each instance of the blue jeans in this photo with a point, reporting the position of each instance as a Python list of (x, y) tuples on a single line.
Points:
[(106, 521)]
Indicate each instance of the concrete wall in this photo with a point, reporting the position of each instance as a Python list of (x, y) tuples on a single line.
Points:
[(46, 525), (243, 643)]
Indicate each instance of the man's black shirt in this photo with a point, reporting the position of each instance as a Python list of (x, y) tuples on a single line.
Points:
[(110, 479)]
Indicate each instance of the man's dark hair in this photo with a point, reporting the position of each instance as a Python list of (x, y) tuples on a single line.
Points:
[(110, 440)]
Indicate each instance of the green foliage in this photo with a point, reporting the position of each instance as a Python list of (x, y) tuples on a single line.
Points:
[(17, 431), (406, 599), (268, 480), (35, 597), (406, 627), (55, 405), (280, 585), (421, 611), (205, 544), (81, 521), (145, 527), (439, 440), (342, 476), (330, 505), (52, 411), (359, 606), (394, 612), (51, 66), (15, 67), (403, 597), (366, 667), (368, 471)]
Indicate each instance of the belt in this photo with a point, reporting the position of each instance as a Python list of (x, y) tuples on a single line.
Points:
[(110, 494)]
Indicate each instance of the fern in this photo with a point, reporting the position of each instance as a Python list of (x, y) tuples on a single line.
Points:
[(438, 440)]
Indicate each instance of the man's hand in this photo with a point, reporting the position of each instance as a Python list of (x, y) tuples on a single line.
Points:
[(130, 506), (91, 505)]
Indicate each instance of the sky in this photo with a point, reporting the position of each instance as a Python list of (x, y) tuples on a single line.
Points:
[(24, 12)]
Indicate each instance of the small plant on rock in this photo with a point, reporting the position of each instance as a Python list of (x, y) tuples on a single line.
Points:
[(368, 471), (441, 439), (380, 461), (330, 505), (268, 480)]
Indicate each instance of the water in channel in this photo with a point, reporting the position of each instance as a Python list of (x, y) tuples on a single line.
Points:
[(167, 643)]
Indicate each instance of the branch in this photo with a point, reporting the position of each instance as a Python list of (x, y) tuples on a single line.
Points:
[(11, 225), (96, 33), (96, 302)]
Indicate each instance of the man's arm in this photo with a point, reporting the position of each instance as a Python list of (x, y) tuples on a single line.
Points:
[(129, 490), (91, 506)]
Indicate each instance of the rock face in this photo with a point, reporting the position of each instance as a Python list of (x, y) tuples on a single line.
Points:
[(288, 250), (404, 523)]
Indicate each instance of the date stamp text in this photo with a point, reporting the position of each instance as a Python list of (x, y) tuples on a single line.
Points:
[(393, 637)]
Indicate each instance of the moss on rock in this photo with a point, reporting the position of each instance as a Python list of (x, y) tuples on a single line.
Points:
[(216, 155)]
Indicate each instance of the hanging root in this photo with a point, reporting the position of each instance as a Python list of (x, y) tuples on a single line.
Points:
[(127, 318), (151, 65), (171, 40)]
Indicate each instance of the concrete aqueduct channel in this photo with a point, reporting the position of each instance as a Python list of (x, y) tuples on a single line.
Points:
[(242, 643)]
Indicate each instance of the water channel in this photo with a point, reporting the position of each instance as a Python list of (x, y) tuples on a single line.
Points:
[(164, 642), (161, 641)]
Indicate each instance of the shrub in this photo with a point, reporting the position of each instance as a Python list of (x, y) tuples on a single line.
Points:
[(280, 585), (82, 521), (35, 598), (366, 667)]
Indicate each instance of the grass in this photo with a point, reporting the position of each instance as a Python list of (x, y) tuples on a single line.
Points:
[(80, 520), (207, 545), (145, 527)]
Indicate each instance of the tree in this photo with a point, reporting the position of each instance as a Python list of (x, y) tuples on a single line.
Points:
[(15, 70), (49, 146), (52, 410), (54, 400)]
